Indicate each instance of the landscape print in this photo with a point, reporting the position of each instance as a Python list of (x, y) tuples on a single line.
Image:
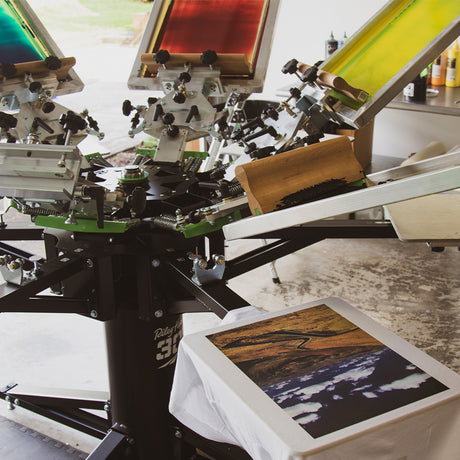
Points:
[(323, 370)]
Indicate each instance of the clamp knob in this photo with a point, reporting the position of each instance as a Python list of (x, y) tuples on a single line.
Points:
[(208, 57), (127, 108), (310, 75), (72, 122), (271, 112), (290, 66), (7, 121), (168, 118), (7, 69), (162, 56), (53, 63), (35, 87), (295, 93), (172, 131), (48, 107), (185, 77), (193, 112), (179, 97)]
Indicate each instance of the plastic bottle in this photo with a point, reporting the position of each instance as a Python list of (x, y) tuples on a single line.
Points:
[(453, 65), (438, 70), (331, 45), (344, 39)]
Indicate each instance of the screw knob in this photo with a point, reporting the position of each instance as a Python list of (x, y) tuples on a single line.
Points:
[(168, 118), (161, 56), (35, 87), (53, 63), (179, 98), (208, 57), (290, 66), (48, 107), (310, 75), (7, 69), (127, 108)]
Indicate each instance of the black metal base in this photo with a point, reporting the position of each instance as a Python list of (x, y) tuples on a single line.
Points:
[(139, 284)]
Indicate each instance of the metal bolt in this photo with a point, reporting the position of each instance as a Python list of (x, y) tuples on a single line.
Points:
[(178, 434), (218, 259), (156, 263), (77, 250), (202, 263), (93, 314), (17, 402), (89, 263), (107, 407), (159, 313)]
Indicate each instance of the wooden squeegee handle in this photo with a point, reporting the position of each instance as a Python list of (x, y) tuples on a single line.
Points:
[(336, 82)]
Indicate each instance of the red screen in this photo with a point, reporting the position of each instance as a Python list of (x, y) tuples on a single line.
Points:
[(225, 26)]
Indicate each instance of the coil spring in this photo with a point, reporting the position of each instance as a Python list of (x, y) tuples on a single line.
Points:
[(166, 221), (235, 189), (25, 209)]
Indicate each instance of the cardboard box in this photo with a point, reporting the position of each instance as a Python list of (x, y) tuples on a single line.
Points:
[(317, 382), (362, 143)]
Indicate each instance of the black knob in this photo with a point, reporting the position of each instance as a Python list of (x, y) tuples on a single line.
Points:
[(10, 139), (53, 63), (35, 87), (152, 100), (290, 66), (172, 131), (92, 123), (72, 122), (185, 77), (48, 107), (262, 153), (161, 56), (158, 112), (179, 97), (272, 113), (250, 148), (168, 118), (138, 200), (7, 121), (295, 92), (7, 69), (193, 112), (268, 130), (208, 57), (237, 135), (135, 120), (310, 75), (127, 108)]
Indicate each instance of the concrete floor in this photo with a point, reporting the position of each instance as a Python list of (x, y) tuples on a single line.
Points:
[(405, 287)]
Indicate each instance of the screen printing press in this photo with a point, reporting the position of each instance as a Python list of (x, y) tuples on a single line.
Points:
[(159, 227)]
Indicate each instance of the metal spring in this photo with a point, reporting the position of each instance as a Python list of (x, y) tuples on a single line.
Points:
[(24, 209), (196, 164), (216, 171), (235, 189), (165, 221)]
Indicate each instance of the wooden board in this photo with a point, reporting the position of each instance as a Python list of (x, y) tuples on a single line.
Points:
[(38, 68), (283, 179), (228, 64)]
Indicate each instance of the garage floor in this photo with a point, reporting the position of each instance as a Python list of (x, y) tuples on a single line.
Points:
[(406, 287)]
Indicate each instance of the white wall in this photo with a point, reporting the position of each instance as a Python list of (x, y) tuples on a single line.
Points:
[(302, 28), (401, 132)]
